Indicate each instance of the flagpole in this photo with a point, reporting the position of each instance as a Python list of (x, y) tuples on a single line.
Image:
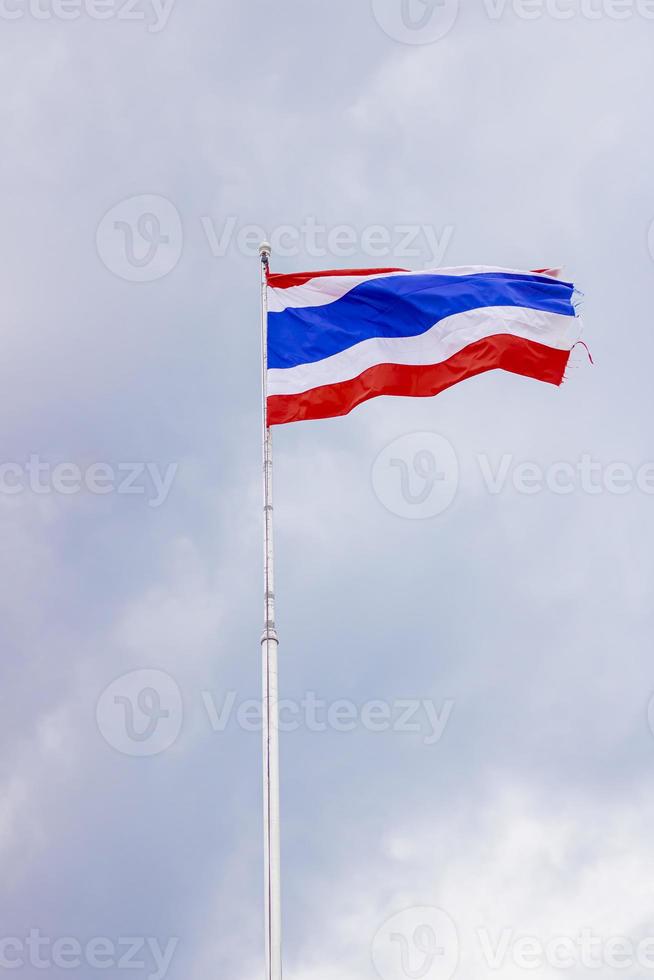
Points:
[(269, 698)]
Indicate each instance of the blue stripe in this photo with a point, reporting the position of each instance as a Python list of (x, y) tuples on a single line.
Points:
[(402, 306)]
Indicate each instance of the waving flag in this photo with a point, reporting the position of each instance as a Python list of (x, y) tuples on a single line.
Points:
[(337, 338)]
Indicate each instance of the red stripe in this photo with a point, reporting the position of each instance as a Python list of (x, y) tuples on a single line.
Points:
[(515, 354), (281, 280)]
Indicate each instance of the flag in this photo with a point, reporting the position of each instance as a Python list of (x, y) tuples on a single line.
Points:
[(337, 338)]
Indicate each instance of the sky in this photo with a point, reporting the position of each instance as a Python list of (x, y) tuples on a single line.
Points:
[(463, 583)]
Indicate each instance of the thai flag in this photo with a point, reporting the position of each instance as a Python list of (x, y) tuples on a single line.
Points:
[(337, 338)]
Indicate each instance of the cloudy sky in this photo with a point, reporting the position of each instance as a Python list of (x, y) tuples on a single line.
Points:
[(467, 771)]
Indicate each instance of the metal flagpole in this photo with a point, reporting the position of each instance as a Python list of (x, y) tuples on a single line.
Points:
[(269, 644)]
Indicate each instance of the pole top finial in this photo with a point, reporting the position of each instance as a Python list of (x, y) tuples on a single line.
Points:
[(265, 250)]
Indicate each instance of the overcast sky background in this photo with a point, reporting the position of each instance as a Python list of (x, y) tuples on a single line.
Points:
[(520, 143)]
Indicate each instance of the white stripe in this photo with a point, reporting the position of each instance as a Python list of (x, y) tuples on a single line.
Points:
[(440, 342), (326, 289)]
